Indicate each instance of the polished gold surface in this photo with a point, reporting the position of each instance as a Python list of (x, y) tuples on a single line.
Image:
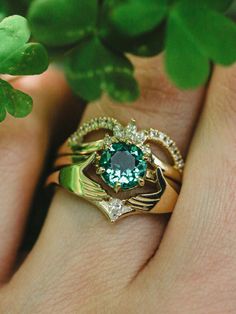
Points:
[(76, 157)]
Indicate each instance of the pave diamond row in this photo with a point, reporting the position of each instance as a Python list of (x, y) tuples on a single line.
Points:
[(170, 145), (129, 132), (93, 125)]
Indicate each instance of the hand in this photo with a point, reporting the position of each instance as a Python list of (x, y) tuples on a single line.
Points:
[(83, 264)]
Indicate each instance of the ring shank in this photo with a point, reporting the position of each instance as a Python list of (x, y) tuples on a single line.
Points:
[(164, 180)]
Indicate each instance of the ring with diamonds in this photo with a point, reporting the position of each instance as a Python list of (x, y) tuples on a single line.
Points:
[(120, 173)]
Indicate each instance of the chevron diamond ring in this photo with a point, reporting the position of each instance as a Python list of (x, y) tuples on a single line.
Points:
[(120, 172)]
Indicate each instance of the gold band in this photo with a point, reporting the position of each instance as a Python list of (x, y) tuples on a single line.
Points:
[(153, 184)]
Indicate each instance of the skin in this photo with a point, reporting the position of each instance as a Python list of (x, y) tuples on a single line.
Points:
[(83, 264)]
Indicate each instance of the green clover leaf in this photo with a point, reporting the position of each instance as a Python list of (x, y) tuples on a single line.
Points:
[(95, 35), (61, 22), (185, 63), (17, 57), (148, 44), (13, 101), (135, 17), (194, 38), (92, 69)]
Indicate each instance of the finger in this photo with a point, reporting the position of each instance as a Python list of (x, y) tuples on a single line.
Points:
[(76, 237), (23, 147), (198, 249)]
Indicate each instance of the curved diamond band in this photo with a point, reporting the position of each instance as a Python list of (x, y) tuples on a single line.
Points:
[(122, 163)]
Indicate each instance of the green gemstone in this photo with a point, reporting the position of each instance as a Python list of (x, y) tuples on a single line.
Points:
[(123, 164)]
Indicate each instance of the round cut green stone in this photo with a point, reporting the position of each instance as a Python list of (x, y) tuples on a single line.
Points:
[(123, 164)]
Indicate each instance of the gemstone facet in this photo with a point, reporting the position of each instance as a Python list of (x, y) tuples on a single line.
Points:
[(124, 165)]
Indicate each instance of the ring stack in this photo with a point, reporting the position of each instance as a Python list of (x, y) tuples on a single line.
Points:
[(121, 163)]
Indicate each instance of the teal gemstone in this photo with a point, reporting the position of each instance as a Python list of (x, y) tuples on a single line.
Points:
[(123, 164)]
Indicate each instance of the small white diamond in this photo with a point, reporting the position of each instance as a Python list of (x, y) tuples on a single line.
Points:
[(174, 150), (139, 137), (116, 208), (107, 140), (130, 131), (131, 127), (168, 141), (153, 134), (146, 149), (161, 136), (74, 138), (118, 132)]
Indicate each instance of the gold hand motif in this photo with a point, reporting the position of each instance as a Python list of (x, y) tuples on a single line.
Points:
[(73, 178), (145, 202)]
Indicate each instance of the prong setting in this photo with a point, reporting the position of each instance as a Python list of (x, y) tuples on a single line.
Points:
[(100, 170), (141, 181), (117, 187)]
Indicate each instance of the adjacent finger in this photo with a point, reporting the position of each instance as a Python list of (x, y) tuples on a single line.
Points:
[(23, 147), (198, 249)]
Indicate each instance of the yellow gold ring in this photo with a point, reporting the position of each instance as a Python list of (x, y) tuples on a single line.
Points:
[(119, 173)]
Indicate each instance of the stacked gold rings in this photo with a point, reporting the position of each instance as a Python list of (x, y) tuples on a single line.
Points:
[(119, 173)]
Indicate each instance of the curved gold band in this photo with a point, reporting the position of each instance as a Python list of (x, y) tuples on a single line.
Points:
[(76, 156)]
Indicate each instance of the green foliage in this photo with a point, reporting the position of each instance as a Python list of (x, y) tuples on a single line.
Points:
[(13, 101), (18, 57), (218, 5), (99, 33), (92, 69), (183, 57), (93, 37), (9, 7), (61, 22), (194, 37), (147, 15), (145, 45)]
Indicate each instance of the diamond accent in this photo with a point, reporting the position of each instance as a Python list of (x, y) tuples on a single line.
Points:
[(118, 132), (130, 133), (117, 208), (146, 150), (107, 140), (169, 144)]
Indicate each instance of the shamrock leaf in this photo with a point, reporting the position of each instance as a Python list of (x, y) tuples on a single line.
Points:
[(196, 36), (13, 101), (92, 69), (135, 17), (17, 57), (147, 44), (185, 63), (62, 22)]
